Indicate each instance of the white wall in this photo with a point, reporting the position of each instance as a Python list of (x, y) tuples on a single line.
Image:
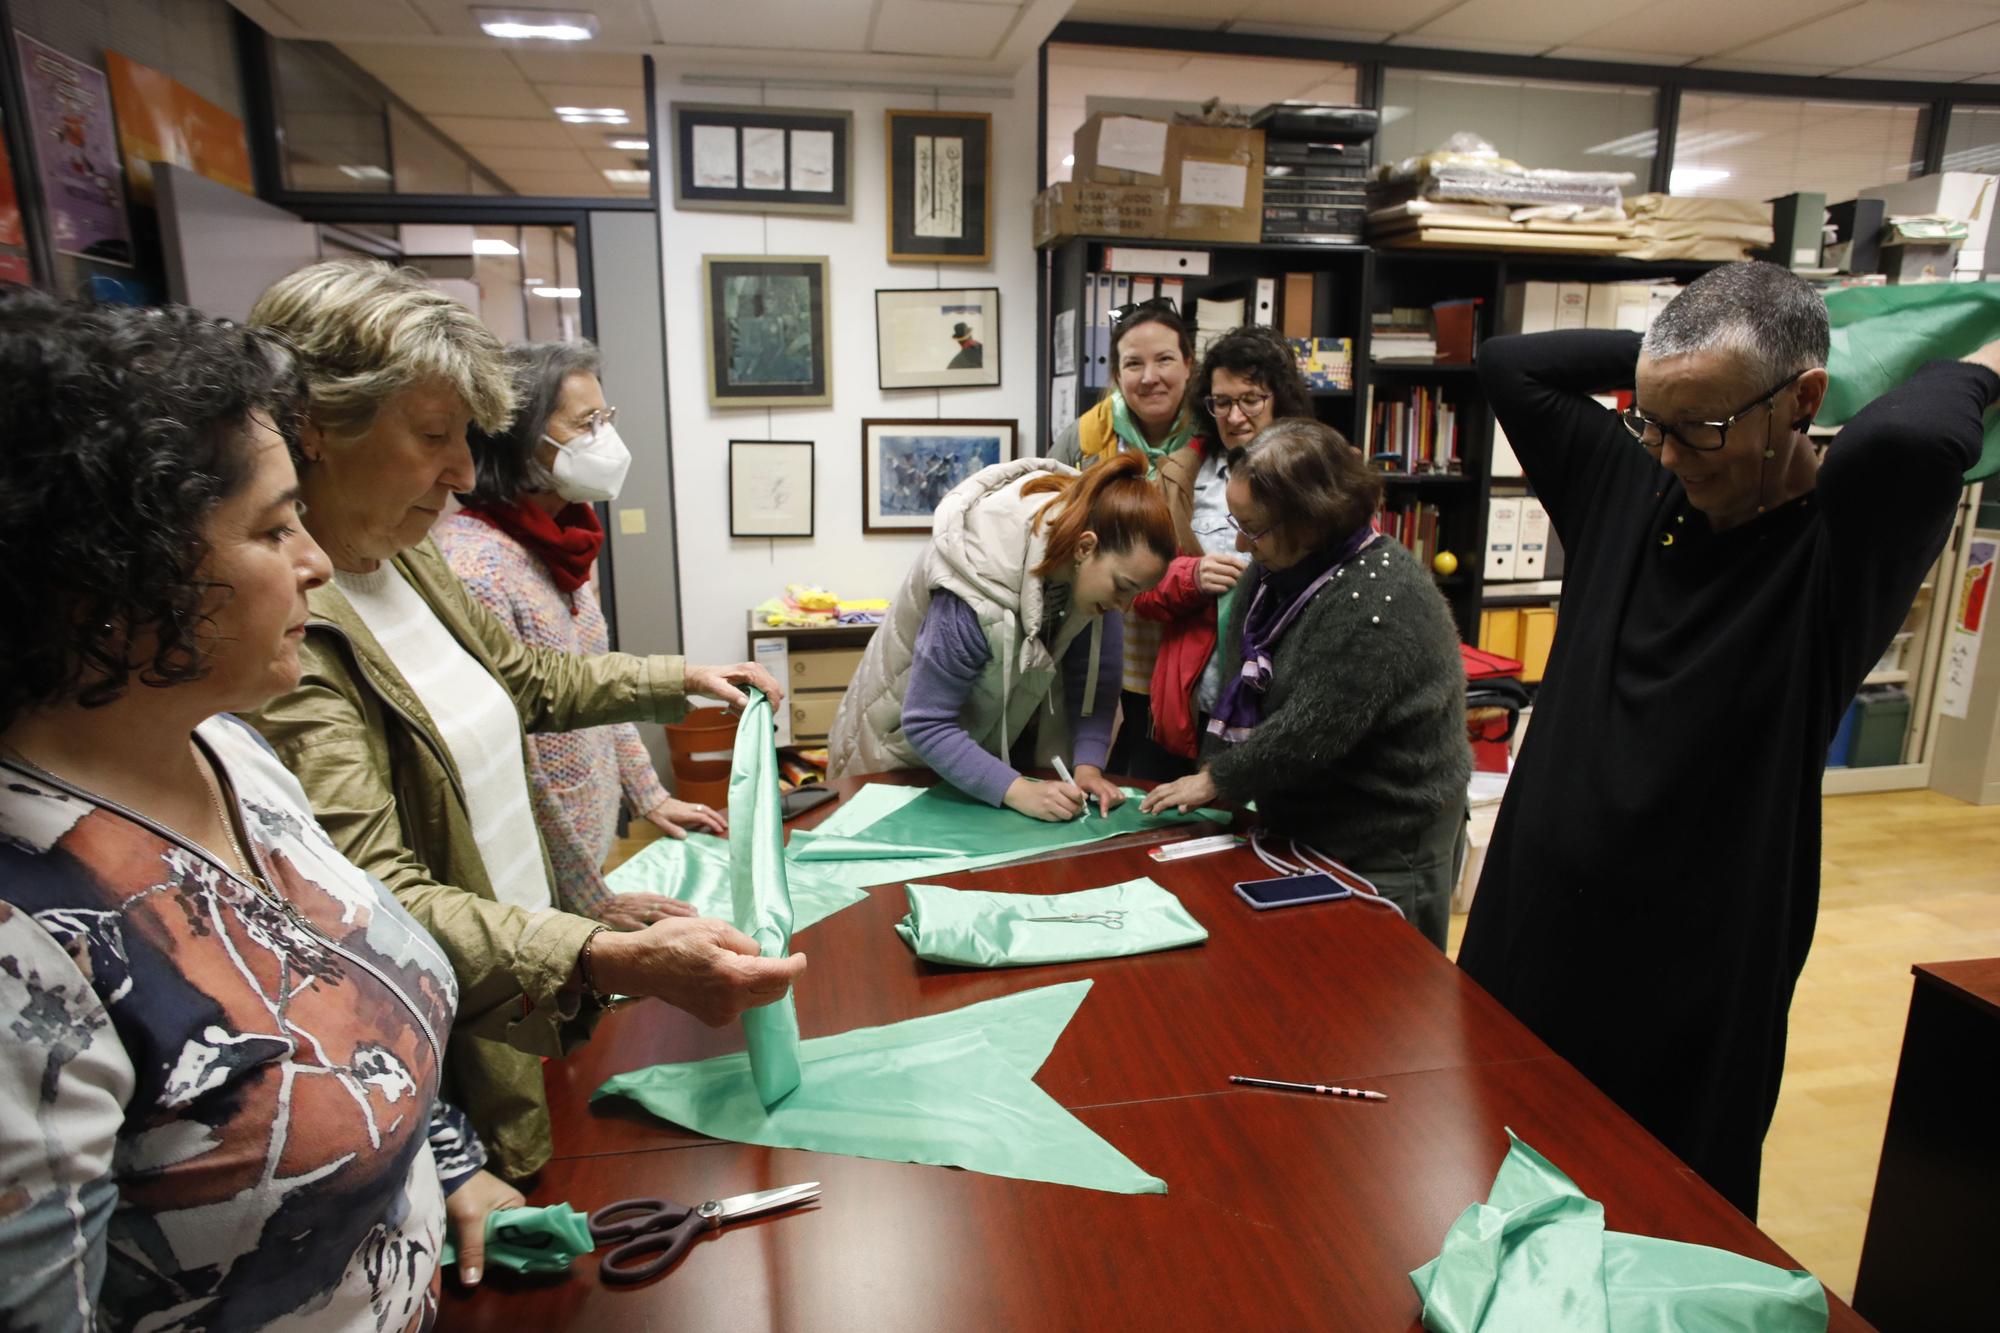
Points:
[(723, 577)]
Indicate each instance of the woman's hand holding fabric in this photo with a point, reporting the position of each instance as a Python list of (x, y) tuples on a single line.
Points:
[(677, 819), (1055, 802), (465, 1211), (1091, 780), (636, 911), (1182, 794), (696, 963), (720, 682)]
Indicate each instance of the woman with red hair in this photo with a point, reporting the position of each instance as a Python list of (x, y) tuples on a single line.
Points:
[(1015, 604)]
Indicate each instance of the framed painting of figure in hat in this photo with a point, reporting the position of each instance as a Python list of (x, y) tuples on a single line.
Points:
[(940, 177), (937, 338)]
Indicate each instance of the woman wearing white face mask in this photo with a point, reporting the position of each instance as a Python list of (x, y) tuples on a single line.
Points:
[(524, 545)]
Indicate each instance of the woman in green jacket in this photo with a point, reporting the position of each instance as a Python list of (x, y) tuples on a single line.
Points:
[(407, 725)]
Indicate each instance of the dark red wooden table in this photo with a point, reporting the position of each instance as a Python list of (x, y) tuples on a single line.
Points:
[(1284, 1210)]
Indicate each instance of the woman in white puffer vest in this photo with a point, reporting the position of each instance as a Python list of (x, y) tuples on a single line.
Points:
[(989, 627)]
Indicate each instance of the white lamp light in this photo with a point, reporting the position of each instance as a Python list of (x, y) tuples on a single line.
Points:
[(483, 246), (558, 293), (545, 25)]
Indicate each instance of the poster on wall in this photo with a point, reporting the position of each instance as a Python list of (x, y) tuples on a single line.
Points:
[(770, 488), (162, 120), (1968, 623), (763, 159), (76, 153), (940, 178), (931, 338), (767, 330), (908, 466)]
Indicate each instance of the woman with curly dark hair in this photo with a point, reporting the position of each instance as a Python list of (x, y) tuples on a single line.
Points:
[(1247, 380), (225, 1039)]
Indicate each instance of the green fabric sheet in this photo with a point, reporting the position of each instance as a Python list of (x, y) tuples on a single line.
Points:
[(950, 1089), (1535, 1258), (889, 835), (695, 869), (1882, 335), (531, 1240), (971, 928), (763, 902)]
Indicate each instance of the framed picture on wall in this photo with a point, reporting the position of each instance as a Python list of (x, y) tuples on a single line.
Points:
[(767, 330), (907, 466), (763, 159), (932, 338), (770, 488), (940, 178)]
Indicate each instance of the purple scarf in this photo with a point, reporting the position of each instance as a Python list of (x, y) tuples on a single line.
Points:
[(1240, 709)]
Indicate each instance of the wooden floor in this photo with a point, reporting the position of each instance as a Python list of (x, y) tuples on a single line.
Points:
[(1906, 877)]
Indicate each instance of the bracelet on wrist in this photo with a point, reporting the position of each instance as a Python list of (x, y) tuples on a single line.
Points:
[(583, 966)]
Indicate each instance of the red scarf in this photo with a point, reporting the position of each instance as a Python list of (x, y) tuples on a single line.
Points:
[(565, 542)]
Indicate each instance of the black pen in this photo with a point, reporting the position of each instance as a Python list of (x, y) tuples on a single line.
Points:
[(1323, 1089)]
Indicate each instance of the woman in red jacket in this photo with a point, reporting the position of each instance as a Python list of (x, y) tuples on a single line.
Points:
[(1247, 380)]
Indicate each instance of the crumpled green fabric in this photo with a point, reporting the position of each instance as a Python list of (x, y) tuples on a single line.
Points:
[(1882, 335), (888, 835), (971, 928), (532, 1240), (950, 1089), (1535, 1257), (761, 901), (695, 869)]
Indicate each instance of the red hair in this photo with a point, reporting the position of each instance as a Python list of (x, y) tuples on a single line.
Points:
[(1112, 499)]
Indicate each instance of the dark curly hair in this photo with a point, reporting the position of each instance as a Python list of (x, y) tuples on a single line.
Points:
[(506, 463), (120, 431), (1257, 354)]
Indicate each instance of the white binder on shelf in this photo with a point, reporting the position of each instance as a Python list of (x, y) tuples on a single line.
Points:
[(1138, 259), (1142, 289), (1506, 466), (1264, 306), (1503, 535), (1175, 290), (1531, 551)]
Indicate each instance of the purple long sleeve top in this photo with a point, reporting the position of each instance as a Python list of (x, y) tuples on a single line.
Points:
[(951, 652)]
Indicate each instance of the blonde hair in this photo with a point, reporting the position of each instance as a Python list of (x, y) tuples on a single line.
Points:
[(365, 331)]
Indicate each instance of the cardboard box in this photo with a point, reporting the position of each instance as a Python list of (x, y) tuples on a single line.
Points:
[(1966, 195), (1216, 179), (1121, 150), (1072, 208), (1919, 262)]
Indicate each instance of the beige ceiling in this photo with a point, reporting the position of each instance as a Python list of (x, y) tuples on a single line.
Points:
[(496, 99), (1881, 39)]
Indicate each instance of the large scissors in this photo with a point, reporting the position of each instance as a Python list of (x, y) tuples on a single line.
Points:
[(1111, 918), (664, 1229)]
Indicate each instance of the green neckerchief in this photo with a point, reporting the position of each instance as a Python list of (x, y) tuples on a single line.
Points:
[(1130, 432)]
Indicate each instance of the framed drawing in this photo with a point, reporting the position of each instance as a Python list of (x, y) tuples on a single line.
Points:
[(767, 330), (932, 338), (763, 159), (770, 488), (907, 466), (940, 179)]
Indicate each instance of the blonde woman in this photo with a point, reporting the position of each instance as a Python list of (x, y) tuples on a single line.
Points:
[(407, 724)]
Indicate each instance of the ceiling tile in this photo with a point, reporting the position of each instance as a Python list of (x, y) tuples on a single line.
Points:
[(1976, 52), (601, 158), (1363, 15), (1877, 28), (1174, 13), (1066, 54), (356, 18), (506, 161), (1765, 66), (941, 28), (433, 98), (559, 183), (1513, 22), (821, 25), (590, 138), (1309, 31), (632, 101), (477, 132), (464, 63), (1704, 27), (1911, 75), (596, 68)]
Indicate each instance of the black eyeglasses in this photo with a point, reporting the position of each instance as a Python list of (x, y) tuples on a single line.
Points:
[(1120, 314), (1702, 436), (1250, 403)]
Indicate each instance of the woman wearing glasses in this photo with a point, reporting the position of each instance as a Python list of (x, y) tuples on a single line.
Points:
[(1342, 712), (1247, 380), (1145, 411), (524, 545)]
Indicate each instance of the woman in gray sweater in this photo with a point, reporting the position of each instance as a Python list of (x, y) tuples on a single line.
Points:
[(1342, 712)]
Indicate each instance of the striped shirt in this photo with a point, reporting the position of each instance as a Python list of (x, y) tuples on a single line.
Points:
[(477, 721)]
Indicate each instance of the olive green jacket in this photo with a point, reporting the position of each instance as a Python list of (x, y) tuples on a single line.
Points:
[(388, 793)]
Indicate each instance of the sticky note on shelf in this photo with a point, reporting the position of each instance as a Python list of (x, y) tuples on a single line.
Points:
[(632, 522)]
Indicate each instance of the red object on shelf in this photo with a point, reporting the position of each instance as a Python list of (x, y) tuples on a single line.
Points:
[(1482, 665)]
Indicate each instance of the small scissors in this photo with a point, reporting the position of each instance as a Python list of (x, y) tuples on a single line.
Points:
[(665, 1229), (1110, 919)]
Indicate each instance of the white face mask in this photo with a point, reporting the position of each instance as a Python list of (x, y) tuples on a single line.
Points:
[(591, 467)]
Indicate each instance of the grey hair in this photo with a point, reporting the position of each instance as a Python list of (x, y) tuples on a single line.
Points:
[(1767, 315), (505, 461)]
